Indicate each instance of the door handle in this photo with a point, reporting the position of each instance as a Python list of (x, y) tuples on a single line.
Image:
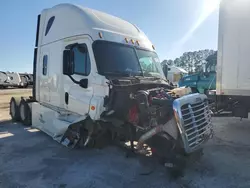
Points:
[(66, 97)]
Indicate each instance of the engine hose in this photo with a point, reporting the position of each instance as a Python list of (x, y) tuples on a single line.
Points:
[(147, 136)]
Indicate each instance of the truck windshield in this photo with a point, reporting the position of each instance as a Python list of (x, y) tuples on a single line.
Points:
[(123, 60), (150, 63)]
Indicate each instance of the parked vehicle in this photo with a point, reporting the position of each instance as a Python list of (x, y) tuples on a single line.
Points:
[(30, 79), (204, 80), (3, 79), (175, 74), (27, 79), (98, 79), (233, 79), (13, 79)]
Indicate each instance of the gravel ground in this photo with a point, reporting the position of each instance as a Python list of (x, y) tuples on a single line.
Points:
[(30, 158)]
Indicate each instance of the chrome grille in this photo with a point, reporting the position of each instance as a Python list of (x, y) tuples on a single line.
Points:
[(195, 120)]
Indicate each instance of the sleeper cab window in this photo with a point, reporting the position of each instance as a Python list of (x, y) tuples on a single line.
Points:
[(49, 24), (81, 60), (45, 64)]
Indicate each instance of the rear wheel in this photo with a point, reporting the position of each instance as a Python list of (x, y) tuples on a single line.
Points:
[(25, 112), (14, 108)]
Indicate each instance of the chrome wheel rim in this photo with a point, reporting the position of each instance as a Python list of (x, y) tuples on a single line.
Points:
[(22, 114)]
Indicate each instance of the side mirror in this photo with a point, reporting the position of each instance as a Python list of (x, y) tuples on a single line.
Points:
[(68, 62), (165, 70), (84, 83)]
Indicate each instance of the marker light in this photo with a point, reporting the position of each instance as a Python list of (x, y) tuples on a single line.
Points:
[(153, 47), (126, 40), (100, 35), (92, 108), (132, 41), (137, 42)]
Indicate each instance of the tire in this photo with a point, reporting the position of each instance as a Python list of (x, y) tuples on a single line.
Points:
[(25, 112), (14, 108)]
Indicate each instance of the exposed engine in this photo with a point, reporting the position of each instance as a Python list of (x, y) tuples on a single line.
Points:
[(143, 105)]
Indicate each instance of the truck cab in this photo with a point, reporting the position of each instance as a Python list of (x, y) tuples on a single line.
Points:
[(205, 79), (98, 77)]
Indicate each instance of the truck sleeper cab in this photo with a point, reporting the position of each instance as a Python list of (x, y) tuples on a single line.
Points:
[(98, 77)]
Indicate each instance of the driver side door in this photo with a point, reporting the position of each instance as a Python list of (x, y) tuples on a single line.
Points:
[(77, 98)]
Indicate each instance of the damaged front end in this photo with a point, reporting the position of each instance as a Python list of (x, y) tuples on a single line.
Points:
[(155, 119), (160, 110)]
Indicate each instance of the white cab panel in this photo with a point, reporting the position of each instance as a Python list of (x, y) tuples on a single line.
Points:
[(46, 120), (43, 72)]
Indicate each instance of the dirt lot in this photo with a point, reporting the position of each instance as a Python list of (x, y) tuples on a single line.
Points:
[(29, 158)]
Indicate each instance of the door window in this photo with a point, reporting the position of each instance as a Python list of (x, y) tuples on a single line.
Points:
[(81, 60), (45, 64), (49, 24)]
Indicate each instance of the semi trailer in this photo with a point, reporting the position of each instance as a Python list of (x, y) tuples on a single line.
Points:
[(98, 80), (232, 92)]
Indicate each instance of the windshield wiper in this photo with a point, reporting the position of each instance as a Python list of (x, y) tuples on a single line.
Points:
[(122, 73), (158, 78), (117, 73)]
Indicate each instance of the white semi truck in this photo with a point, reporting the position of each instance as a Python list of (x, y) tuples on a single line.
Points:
[(3, 79), (233, 63), (97, 77), (13, 79)]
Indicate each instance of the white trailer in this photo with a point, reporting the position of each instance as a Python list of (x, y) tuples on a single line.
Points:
[(97, 78), (233, 66)]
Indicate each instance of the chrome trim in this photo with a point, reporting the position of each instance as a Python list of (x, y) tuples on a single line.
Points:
[(195, 123)]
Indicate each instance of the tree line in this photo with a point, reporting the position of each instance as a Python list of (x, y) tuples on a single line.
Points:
[(191, 61)]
